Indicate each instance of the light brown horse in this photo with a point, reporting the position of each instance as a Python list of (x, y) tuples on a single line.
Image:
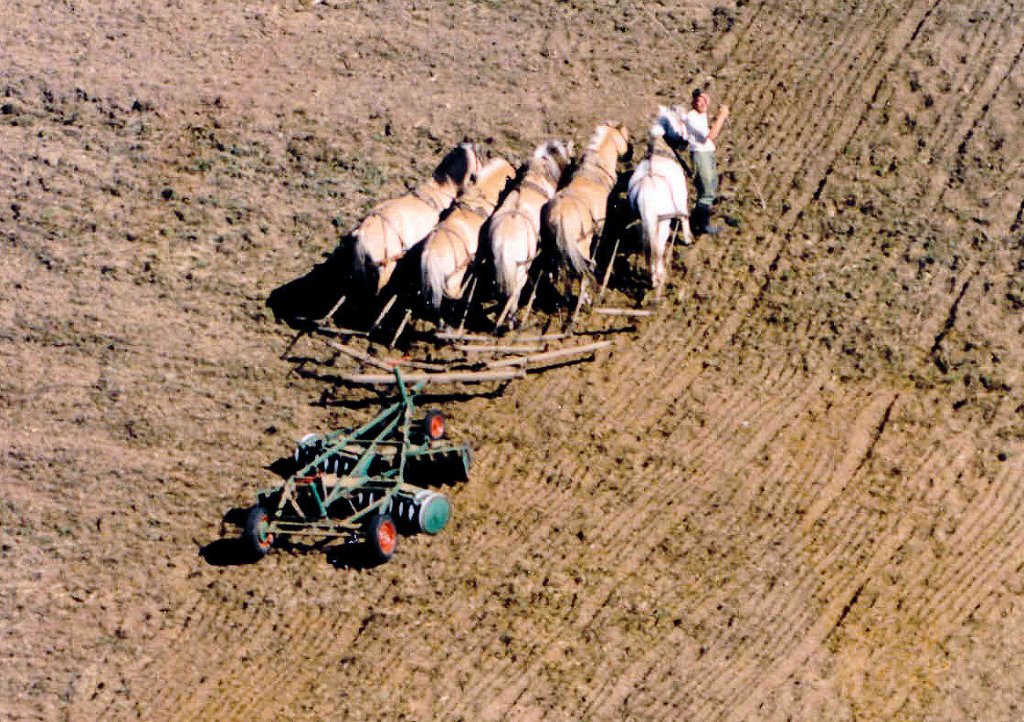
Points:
[(514, 231), (575, 216), (451, 247), (395, 226)]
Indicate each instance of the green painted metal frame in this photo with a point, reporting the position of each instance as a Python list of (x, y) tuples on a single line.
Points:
[(389, 429)]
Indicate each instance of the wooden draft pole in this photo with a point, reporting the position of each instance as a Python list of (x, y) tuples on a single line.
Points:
[(316, 325), (450, 377)]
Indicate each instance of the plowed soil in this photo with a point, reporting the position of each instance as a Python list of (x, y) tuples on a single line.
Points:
[(796, 492)]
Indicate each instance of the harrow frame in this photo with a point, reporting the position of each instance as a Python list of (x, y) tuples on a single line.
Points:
[(350, 482)]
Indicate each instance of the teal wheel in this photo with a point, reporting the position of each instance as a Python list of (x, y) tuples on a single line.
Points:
[(257, 536)]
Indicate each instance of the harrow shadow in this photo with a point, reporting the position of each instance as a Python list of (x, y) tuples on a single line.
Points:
[(229, 551), (375, 396)]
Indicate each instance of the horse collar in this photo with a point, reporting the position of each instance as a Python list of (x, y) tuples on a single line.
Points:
[(603, 176), (432, 202), (480, 211), (535, 187)]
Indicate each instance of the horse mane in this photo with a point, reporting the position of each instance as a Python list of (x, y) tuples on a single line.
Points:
[(600, 135), (455, 166), (549, 159), (667, 125)]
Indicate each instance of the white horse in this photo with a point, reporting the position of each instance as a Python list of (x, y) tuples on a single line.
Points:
[(657, 192), (514, 231)]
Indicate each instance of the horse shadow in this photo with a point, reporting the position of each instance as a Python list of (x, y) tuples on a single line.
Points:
[(314, 296), (332, 291)]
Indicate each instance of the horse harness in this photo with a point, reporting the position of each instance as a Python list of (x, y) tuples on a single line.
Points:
[(418, 194), (478, 211), (527, 184), (389, 224), (481, 212), (664, 153), (661, 152), (602, 177)]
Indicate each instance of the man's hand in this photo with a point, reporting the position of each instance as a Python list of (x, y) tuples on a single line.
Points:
[(723, 112)]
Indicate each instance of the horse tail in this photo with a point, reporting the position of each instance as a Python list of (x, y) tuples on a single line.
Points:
[(567, 244), (649, 217), (501, 253), (433, 277), (371, 267)]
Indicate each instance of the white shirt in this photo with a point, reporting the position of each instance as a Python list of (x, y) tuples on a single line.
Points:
[(697, 130)]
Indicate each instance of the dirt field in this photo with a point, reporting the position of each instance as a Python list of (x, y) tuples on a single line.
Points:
[(797, 492)]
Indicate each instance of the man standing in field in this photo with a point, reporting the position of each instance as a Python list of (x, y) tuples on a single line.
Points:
[(702, 152)]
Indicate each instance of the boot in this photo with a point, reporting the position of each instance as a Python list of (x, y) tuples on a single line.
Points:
[(700, 221)]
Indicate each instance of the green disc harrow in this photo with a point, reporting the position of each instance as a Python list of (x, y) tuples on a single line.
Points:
[(367, 484)]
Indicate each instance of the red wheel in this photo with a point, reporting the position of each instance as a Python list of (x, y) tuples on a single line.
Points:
[(381, 537), (434, 425)]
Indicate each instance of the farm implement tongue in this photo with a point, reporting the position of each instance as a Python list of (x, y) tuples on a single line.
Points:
[(367, 484)]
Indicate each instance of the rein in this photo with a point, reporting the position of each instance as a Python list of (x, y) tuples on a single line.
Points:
[(479, 211), (528, 184), (394, 230), (421, 194)]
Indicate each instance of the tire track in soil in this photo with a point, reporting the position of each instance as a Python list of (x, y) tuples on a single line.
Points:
[(707, 608), (873, 417), (567, 452), (223, 677), (590, 619), (909, 574), (983, 79), (943, 480), (897, 43), (839, 548), (928, 466), (800, 129), (996, 530), (804, 632), (501, 676), (198, 684), (763, 51), (771, 610), (767, 418), (887, 597)]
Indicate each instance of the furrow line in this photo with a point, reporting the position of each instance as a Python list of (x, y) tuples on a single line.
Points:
[(949, 117), (994, 78), (804, 645), (798, 124), (818, 168), (1003, 532)]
